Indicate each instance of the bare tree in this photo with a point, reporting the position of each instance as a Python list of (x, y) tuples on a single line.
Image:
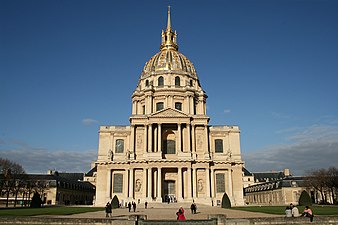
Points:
[(317, 180), (332, 182), (13, 174), (324, 181)]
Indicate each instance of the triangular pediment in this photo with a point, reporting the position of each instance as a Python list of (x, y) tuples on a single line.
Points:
[(169, 113)]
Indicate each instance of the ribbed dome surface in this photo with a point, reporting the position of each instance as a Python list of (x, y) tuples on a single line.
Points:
[(169, 59)]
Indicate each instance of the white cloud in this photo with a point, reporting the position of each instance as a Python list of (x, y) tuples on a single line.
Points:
[(227, 111), (312, 148), (89, 121), (40, 160)]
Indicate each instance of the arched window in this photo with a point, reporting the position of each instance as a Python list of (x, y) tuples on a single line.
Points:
[(178, 106), (219, 145), (119, 146), (177, 81), (159, 106), (147, 83), (191, 83), (160, 81)]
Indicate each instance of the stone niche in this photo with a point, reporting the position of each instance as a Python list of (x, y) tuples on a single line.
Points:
[(138, 183), (201, 184)]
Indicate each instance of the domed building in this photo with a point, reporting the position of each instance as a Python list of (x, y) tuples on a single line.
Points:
[(169, 153)]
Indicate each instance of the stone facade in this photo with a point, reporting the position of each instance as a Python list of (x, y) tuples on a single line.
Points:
[(169, 152)]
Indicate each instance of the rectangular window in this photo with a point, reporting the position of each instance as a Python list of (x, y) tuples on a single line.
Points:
[(178, 106), (159, 106), (118, 183), (119, 146), (219, 145), (220, 183)]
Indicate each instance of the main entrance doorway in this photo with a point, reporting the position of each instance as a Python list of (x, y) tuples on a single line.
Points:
[(169, 191)]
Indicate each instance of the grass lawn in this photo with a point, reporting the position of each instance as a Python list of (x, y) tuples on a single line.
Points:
[(47, 211), (280, 210)]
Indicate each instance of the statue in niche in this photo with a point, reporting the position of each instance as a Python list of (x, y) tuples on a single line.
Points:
[(110, 154), (139, 141), (200, 185), (127, 154), (138, 185), (228, 154), (199, 141)]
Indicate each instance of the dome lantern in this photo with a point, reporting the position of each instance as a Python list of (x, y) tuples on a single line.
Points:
[(169, 37)]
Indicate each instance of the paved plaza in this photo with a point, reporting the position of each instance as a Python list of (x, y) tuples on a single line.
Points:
[(163, 211)]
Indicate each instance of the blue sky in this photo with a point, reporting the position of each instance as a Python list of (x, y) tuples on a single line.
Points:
[(269, 66)]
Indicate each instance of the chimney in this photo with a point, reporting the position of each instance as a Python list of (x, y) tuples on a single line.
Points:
[(287, 172)]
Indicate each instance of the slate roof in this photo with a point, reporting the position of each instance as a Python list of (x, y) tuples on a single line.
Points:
[(91, 172)]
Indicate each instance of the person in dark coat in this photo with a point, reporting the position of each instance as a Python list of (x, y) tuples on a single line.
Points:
[(134, 206), (108, 210), (129, 206)]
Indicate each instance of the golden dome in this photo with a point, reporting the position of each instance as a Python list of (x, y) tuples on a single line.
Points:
[(169, 58)]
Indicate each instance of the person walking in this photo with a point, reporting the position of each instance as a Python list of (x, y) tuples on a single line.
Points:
[(129, 206), (134, 206), (108, 210), (146, 205)]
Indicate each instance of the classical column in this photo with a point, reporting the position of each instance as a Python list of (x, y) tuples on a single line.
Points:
[(188, 137), (206, 146), (146, 104), (207, 181), (132, 138), (179, 183), (109, 182), (155, 184), (212, 183), (149, 183), (193, 139), (131, 183), (159, 184), (145, 138), (189, 192), (144, 184), (159, 137), (179, 137), (191, 100), (134, 108), (186, 103), (125, 183), (150, 104), (229, 183), (194, 185), (155, 139), (150, 141)]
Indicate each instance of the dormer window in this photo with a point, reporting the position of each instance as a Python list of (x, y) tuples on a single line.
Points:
[(160, 81), (177, 81), (159, 106)]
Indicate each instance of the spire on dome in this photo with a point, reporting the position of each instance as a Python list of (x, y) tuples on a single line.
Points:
[(169, 22), (168, 36)]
